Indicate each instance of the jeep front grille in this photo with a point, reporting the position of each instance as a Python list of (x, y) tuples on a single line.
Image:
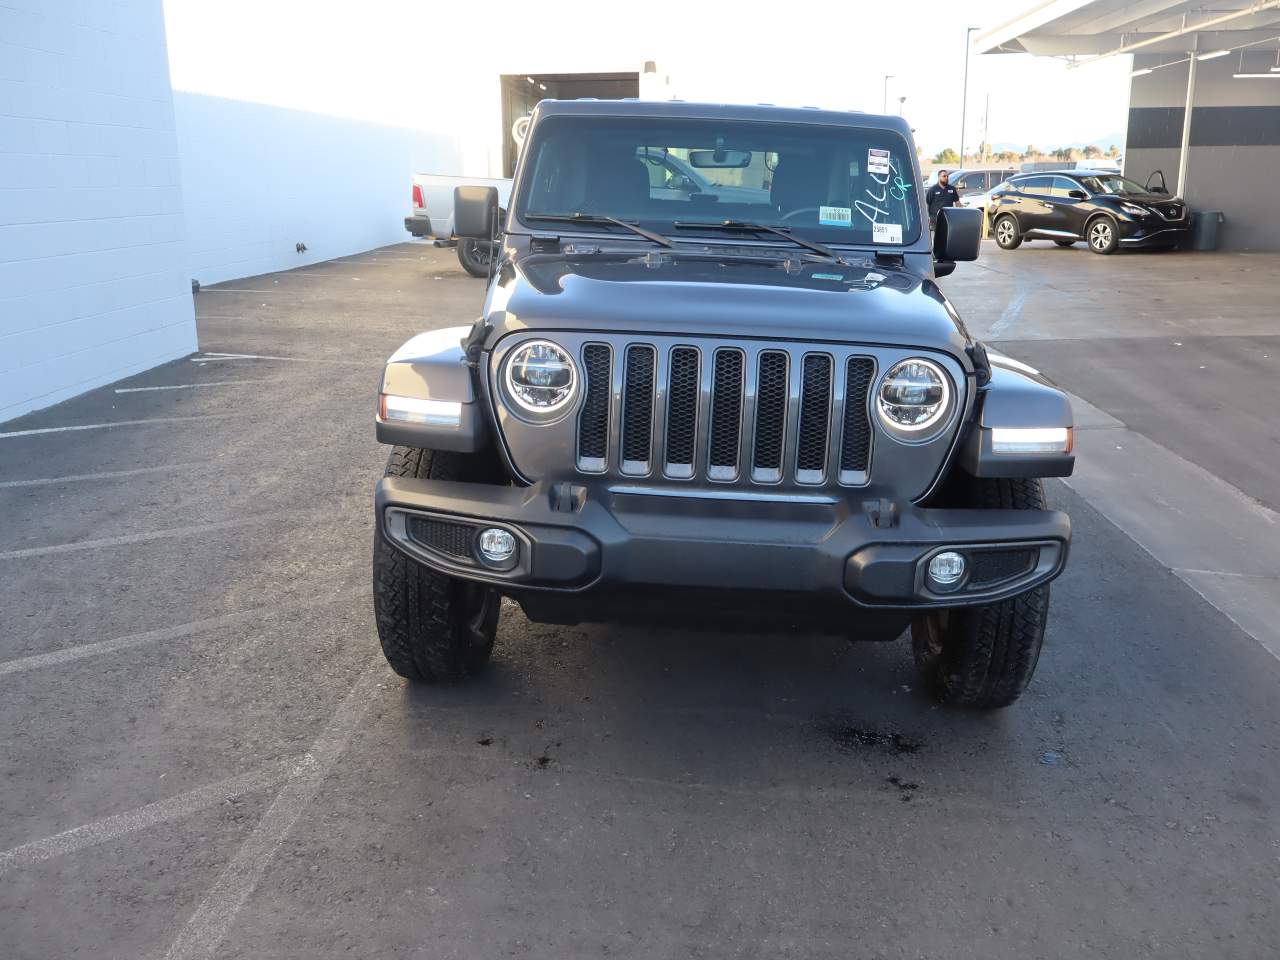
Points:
[(726, 414)]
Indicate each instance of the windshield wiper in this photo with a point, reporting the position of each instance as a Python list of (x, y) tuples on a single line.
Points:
[(746, 226), (598, 218)]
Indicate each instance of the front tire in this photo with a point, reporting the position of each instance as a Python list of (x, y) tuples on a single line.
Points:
[(433, 628), (984, 657), (1008, 237), (475, 256), (1103, 234)]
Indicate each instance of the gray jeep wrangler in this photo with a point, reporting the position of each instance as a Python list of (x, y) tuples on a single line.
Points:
[(715, 383)]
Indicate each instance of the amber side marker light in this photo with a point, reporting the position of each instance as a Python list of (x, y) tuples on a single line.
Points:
[(1009, 440)]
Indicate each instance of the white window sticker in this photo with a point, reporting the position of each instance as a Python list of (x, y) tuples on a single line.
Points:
[(886, 232), (835, 216), (878, 161)]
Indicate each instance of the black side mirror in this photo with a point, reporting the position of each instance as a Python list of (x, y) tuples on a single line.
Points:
[(475, 212), (1154, 187), (1077, 195), (957, 235)]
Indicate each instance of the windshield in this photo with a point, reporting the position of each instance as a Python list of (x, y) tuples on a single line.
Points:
[(833, 184), (1115, 185)]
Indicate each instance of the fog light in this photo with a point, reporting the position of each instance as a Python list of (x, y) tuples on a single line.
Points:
[(497, 545), (946, 569)]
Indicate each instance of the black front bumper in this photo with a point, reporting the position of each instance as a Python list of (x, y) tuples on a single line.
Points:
[(578, 539), (1154, 232)]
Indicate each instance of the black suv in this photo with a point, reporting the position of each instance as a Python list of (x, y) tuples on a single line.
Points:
[(1106, 210), (745, 406)]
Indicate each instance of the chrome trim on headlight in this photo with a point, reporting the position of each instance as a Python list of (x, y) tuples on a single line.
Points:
[(534, 412), (927, 428)]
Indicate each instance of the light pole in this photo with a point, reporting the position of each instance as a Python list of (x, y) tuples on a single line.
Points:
[(884, 107), (964, 94), (901, 103)]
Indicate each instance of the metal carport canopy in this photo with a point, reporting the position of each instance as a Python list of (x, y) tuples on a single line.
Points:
[(1082, 31)]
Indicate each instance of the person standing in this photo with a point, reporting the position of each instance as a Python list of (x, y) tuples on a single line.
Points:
[(941, 194)]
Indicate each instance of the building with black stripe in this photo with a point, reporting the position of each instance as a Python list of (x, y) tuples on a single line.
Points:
[(1220, 62)]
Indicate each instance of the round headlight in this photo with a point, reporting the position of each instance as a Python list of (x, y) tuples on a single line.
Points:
[(541, 377), (914, 395)]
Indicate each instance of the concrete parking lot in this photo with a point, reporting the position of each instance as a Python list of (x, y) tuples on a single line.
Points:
[(203, 753)]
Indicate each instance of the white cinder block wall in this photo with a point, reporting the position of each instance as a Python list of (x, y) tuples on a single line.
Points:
[(93, 280), (261, 179)]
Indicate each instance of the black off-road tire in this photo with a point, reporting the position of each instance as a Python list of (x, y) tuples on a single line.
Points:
[(1008, 236), (984, 657), (1065, 243), (474, 255), (434, 628)]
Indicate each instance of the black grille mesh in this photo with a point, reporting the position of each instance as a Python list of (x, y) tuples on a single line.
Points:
[(637, 404), (771, 410), (451, 539), (993, 566), (815, 413), (593, 428), (855, 446), (682, 405), (726, 409)]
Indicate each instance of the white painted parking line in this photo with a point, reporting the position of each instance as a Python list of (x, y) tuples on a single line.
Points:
[(107, 475), (117, 423), (96, 648), (208, 926), (219, 357), (122, 824), (233, 290), (166, 534), (193, 386)]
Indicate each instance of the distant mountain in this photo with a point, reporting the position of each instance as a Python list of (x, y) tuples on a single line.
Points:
[(1103, 142)]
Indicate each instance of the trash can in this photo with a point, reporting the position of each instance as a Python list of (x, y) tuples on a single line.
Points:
[(1204, 229)]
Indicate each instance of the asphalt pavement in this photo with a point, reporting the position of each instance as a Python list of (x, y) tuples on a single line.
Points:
[(203, 754)]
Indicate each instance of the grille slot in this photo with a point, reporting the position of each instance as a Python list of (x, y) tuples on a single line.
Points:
[(637, 410), (726, 415), (593, 424), (815, 418), (682, 411), (771, 417), (855, 441)]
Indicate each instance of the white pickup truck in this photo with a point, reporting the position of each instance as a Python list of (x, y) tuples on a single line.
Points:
[(433, 216)]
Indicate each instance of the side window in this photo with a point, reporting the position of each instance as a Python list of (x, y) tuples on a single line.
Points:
[(1062, 187), (1037, 186)]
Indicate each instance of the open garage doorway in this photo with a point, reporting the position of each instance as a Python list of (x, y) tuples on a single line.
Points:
[(522, 91)]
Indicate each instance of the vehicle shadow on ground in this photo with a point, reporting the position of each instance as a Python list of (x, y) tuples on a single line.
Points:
[(729, 710)]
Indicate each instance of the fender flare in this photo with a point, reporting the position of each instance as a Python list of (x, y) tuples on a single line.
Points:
[(432, 367), (1018, 397)]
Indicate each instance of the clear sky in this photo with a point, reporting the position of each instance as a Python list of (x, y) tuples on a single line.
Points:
[(421, 63)]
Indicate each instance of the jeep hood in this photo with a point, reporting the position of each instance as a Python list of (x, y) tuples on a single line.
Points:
[(786, 300)]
